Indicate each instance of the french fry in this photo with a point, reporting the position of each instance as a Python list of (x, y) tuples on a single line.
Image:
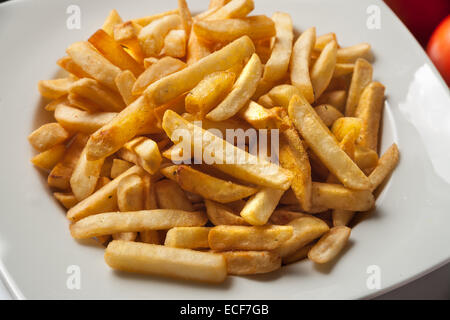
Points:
[(127, 35), (323, 40), (283, 217), (260, 117), (205, 185), (220, 214), (150, 236), (185, 15), (112, 19), (187, 237), (328, 114), (387, 163), (232, 123), (335, 196), (149, 61), (342, 69), (242, 91), (175, 44), (68, 200), (344, 125), (362, 76), (52, 105), (330, 245), (149, 19), (125, 82), (255, 27), (196, 49), (261, 205), (251, 262), (171, 196), (325, 146), (151, 37), (369, 110), (351, 54), (103, 200), (341, 217), (70, 66), (232, 9), (300, 254), (134, 221), (282, 94), (119, 166), (249, 169), (165, 261), (114, 52), (336, 98), (300, 63), (101, 182), (49, 158), (85, 176), (56, 88), (217, 3), (269, 237), (365, 158), (209, 92), (83, 103), (323, 69), (305, 230), (263, 48), (93, 63), (144, 153)]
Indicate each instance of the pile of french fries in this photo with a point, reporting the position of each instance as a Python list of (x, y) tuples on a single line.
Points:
[(133, 85)]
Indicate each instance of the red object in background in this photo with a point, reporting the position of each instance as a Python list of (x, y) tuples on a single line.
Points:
[(439, 49)]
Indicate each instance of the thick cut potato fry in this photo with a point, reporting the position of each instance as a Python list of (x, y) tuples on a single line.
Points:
[(361, 77), (175, 44), (187, 237), (144, 152), (107, 99), (85, 176), (242, 91), (103, 200), (387, 163), (365, 158), (49, 158), (323, 40), (325, 146), (114, 52), (330, 245), (68, 200), (152, 36), (328, 114), (323, 69), (336, 98), (185, 15), (248, 167), (196, 49), (101, 182), (149, 19), (127, 35), (219, 214), (110, 21), (260, 206), (334, 196), (269, 237), (255, 27), (83, 103), (55, 88), (300, 63), (60, 175), (93, 63), (171, 196), (125, 82), (305, 230), (52, 105), (48, 136), (300, 254), (217, 3), (251, 262), (119, 166), (133, 221), (207, 186), (232, 9), (351, 54), (165, 261), (342, 69), (209, 92), (369, 110), (345, 125), (282, 94), (70, 66), (341, 217), (160, 69), (232, 123), (260, 117), (283, 217)]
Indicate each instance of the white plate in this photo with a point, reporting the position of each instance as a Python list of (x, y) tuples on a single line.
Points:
[(406, 237)]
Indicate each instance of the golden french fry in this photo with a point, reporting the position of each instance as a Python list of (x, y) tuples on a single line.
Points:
[(217, 3), (165, 261), (151, 37), (83, 103), (185, 14), (130, 193), (112, 19), (150, 236), (248, 238), (365, 158), (300, 254), (251, 262), (328, 114), (93, 63), (209, 92), (196, 49), (187, 237), (283, 217), (232, 9), (68, 200), (305, 230), (125, 82), (101, 182), (282, 94), (260, 117), (162, 68), (248, 167), (219, 214), (126, 34), (242, 91), (70, 66), (207, 186), (335, 196), (134, 221), (336, 98), (387, 163), (119, 166), (55, 88), (171, 196), (114, 52), (351, 54), (323, 40), (52, 105), (369, 110), (222, 126), (341, 217), (175, 44), (103, 200), (323, 69), (149, 19), (362, 76), (344, 125), (145, 153), (330, 245), (49, 158), (300, 63), (325, 146), (260, 206), (342, 69)]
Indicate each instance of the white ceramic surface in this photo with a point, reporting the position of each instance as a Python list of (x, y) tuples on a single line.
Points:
[(406, 236)]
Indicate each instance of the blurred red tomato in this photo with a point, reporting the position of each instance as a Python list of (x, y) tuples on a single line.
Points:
[(439, 48)]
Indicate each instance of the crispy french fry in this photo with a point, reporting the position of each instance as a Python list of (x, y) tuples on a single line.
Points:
[(196, 49), (344, 125), (151, 37), (251, 262), (70, 66), (330, 245), (325, 146), (144, 153), (185, 14), (232, 9), (125, 82), (261, 205), (282, 94), (171, 196), (269, 237), (149, 19), (175, 44), (133, 221), (323, 40), (387, 163), (112, 19), (222, 126), (127, 35), (335, 196), (119, 166), (83, 103), (165, 261), (300, 63), (336, 98), (217, 3), (283, 217), (365, 158), (49, 158), (341, 217), (342, 69), (328, 114), (242, 91), (55, 88), (187, 237), (351, 54), (220, 214), (68, 200), (101, 182), (362, 76), (323, 69), (205, 185), (300, 254)]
